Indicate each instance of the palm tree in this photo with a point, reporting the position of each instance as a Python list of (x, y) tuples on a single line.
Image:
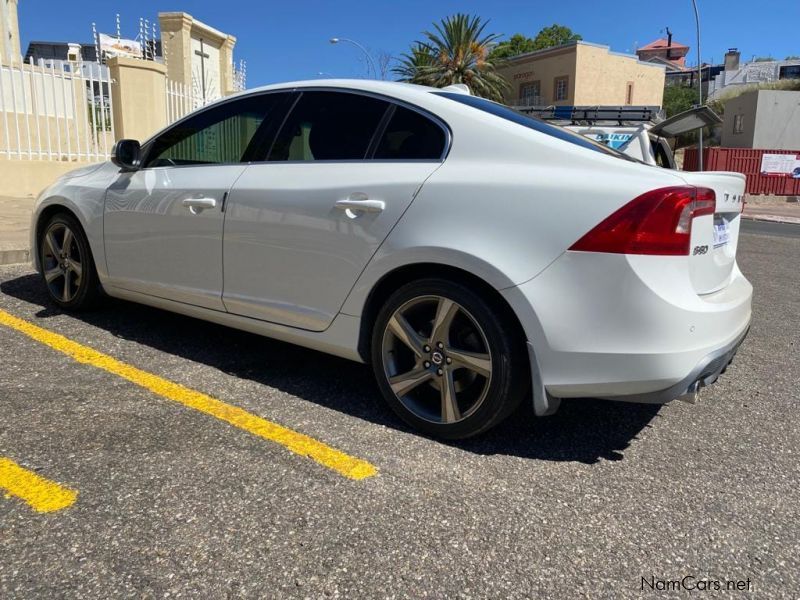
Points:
[(411, 63), (456, 52)]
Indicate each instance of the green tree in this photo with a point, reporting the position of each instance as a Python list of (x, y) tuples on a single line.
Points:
[(678, 98), (555, 35), (517, 44), (413, 62), (456, 51)]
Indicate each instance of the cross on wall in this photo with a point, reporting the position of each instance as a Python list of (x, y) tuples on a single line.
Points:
[(203, 56)]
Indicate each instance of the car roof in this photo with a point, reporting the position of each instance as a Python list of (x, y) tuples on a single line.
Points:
[(389, 88)]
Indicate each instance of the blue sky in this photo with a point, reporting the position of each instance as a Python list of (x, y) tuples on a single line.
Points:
[(289, 40)]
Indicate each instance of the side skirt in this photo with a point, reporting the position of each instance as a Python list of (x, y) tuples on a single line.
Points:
[(339, 339)]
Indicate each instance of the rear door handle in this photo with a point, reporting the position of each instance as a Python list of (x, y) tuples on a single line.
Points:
[(361, 205), (197, 205)]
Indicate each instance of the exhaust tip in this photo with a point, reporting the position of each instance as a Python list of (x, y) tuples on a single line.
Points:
[(692, 394)]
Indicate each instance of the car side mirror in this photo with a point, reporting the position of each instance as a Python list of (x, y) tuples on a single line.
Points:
[(127, 154)]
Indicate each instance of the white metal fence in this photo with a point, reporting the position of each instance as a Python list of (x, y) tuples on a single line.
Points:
[(62, 111), (182, 100), (55, 110)]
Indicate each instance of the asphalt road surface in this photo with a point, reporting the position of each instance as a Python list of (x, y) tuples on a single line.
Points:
[(601, 500), (771, 228)]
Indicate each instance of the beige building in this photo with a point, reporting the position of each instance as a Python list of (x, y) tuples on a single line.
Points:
[(582, 74), (9, 32), (197, 55)]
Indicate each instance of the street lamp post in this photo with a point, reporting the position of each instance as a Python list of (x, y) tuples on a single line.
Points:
[(699, 87), (371, 62)]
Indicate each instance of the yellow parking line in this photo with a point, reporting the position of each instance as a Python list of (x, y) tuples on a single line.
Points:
[(344, 464), (41, 494)]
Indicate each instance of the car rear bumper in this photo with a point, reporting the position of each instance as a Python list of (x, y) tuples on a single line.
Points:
[(628, 327), (704, 374)]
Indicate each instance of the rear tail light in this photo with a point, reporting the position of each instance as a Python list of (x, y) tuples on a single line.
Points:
[(657, 222)]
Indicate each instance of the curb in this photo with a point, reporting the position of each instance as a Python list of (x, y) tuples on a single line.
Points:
[(772, 218), (13, 257)]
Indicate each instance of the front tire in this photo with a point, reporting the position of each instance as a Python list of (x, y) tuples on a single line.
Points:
[(67, 266), (449, 362)]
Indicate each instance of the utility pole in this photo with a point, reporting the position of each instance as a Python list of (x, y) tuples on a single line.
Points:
[(699, 87)]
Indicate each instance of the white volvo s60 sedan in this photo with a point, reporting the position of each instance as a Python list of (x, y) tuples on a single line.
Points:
[(473, 255)]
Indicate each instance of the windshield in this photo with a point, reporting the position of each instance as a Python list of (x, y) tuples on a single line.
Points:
[(509, 114)]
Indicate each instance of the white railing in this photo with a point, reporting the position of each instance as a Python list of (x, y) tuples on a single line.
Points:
[(55, 110), (181, 100), (240, 76)]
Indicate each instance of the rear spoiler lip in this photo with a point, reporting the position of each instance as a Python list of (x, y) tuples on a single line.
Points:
[(736, 174)]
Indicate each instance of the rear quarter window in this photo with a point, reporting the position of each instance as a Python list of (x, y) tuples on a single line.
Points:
[(410, 136), (504, 112)]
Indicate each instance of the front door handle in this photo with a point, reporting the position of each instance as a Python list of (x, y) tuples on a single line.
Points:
[(197, 205), (361, 205)]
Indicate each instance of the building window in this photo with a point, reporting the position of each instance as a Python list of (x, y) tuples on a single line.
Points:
[(789, 72), (629, 93), (530, 93), (560, 88), (738, 124)]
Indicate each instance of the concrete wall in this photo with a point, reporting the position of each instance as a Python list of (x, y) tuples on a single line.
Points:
[(778, 120), (26, 178), (770, 120), (139, 97), (744, 105), (602, 78)]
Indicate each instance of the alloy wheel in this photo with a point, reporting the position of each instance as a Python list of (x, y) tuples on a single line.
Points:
[(436, 359), (62, 262)]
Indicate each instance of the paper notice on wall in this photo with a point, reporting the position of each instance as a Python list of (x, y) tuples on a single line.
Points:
[(778, 164)]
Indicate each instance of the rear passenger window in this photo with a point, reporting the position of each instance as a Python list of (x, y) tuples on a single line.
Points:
[(411, 136), (329, 126)]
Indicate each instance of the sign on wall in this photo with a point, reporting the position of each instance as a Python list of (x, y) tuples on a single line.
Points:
[(780, 164), (113, 46)]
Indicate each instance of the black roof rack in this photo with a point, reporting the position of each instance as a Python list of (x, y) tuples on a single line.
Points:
[(594, 113)]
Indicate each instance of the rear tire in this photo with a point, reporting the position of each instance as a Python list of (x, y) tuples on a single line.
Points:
[(67, 265), (449, 362)]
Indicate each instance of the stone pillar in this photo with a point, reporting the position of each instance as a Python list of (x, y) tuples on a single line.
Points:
[(10, 51), (139, 97), (176, 46), (226, 65)]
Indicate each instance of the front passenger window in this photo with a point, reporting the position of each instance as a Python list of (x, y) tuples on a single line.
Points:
[(218, 135)]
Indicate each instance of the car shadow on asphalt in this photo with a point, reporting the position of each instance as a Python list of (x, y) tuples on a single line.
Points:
[(584, 430)]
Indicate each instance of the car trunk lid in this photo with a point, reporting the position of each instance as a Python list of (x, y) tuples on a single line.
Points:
[(714, 238)]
